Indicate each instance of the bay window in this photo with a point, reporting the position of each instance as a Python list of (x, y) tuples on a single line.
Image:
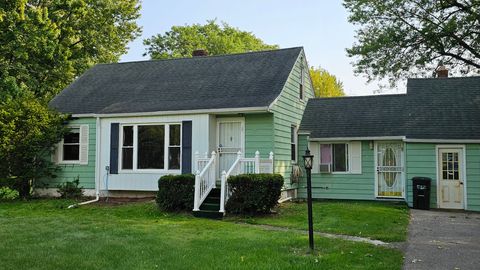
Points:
[(150, 147)]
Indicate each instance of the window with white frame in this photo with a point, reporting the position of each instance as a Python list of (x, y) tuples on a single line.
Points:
[(150, 147), (293, 143), (71, 146), (344, 157), (301, 86), (73, 149), (335, 154)]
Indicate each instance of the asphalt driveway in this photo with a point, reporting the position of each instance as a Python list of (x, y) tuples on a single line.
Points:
[(443, 240)]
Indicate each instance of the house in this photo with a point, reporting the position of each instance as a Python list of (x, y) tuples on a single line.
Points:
[(370, 147), (134, 122)]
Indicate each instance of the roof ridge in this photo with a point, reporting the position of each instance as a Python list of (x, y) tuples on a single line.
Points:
[(446, 78), (201, 57)]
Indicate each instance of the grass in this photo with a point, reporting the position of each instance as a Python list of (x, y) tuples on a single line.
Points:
[(377, 220), (44, 234)]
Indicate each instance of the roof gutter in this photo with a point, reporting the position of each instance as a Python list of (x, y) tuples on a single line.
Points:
[(384, 138), (157, 113), (393, 138)]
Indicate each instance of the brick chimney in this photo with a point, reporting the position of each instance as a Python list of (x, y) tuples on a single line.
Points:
[(442, 72), (200, 52)]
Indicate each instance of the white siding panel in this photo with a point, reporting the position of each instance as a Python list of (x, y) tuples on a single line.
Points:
[(148, 181)]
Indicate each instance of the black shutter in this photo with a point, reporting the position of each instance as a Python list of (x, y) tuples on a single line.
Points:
[(186, 147), (114, 132)]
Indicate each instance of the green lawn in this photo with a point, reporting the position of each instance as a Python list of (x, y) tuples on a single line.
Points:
[(44, 235), (377, 220)]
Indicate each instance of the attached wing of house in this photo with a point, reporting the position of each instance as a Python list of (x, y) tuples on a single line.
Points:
[(134, 122), (370, 147)]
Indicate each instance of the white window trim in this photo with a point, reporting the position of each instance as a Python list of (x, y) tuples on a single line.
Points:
[(135, 148), (295, 141), (62, 143)]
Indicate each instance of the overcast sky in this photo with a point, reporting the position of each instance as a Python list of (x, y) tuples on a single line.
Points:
[(320, 26)]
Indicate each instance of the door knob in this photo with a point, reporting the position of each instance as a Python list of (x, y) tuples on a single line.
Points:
[(461, 183)]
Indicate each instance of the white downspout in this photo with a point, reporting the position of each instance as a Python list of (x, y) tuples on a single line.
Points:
[(97, 167)]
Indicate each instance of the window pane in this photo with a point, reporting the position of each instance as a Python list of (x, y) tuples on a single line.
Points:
[(73, 136), (293, 153), (174, 134), (292, 134), (128, 136), (151, 147), (326, 153), (127, 158), (339, 158), (71, 152), (174, 158)]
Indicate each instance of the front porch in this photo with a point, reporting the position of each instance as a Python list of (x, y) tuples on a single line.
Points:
[(211, 174)]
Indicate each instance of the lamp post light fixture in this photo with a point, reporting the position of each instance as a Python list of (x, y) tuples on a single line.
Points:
[(308, 162)]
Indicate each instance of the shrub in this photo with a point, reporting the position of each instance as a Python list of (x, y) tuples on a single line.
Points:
[(70, 190), (254, 193), (176, 192), (8, 194)]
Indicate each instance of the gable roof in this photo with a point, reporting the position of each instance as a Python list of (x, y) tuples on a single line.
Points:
[(243, 80), (443, 108)]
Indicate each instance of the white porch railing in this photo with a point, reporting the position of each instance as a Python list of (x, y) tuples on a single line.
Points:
[(204, 179), (241, 166)]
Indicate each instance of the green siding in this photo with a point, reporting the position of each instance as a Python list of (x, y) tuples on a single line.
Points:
[(287, 111), (258, 134), (473, 176), (421, 159), (86, 173), (341, 186)]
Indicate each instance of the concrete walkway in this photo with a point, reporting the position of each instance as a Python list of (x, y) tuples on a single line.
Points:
[(443, 240)]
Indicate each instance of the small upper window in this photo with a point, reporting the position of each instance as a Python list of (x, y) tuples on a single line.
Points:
[(293, 142), (302, 75), (71, 145)]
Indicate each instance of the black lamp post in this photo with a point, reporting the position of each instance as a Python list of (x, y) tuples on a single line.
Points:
[(308, 162)]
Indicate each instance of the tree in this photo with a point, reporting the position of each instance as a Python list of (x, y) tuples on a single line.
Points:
[(397, 39), (216, 39), (28, 133), (325, 84), (44, 45)]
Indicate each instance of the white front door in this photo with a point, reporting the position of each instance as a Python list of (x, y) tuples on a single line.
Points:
[(230, 140), (390, 170), (450, 178)]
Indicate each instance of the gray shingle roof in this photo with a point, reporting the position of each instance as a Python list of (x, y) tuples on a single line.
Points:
[(446, 108), (252, 79)]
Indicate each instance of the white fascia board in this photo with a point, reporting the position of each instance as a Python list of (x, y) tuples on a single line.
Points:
[(443, 140), (202, 111), (386, 138)]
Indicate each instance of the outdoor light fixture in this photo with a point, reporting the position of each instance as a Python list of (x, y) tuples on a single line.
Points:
[(308, 162)]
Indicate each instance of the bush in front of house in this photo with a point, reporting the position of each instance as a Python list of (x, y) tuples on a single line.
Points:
[(176, 192), (70, 189), (253, 193), (8, 194)]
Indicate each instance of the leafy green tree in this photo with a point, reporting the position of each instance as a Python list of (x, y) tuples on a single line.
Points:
[(216, 39), (28, 133), (325, 84), (45, 44), (397, 39)]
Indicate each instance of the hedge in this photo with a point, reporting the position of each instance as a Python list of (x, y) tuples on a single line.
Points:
[(176, 192), (254, 193)]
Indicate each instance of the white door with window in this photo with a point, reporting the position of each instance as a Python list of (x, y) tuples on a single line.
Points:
[(230, 140), (390, 169), (450, 178)]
